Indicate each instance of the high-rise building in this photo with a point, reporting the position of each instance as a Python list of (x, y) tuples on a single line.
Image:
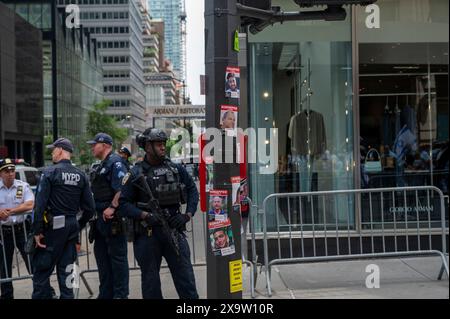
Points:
[(21, 90), (117, 27), (151, 41), (72, 74), (174, 16)]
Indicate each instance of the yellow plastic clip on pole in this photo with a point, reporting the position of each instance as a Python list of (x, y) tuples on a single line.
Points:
[(45, 218)]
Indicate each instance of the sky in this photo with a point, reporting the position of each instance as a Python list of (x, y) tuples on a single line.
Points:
[(195, 49)]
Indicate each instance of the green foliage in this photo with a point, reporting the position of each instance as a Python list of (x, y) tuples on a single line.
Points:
[(85, 154), (170, 143), (48, 139), (99, 121)]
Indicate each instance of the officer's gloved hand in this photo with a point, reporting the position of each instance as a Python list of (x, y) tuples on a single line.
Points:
[(151, 219), (178, 220)]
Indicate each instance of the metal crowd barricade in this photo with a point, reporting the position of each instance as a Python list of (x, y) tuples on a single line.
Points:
[(10, 239), (319, 226), (196, 245), (21, 264), (86, 264), (253, 262)]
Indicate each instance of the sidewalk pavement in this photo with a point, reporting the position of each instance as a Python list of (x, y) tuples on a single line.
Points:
[(405, 278)]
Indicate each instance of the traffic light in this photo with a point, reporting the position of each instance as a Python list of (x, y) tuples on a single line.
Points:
[(259, 14)]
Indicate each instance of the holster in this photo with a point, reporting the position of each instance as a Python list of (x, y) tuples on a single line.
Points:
[(118, 225)]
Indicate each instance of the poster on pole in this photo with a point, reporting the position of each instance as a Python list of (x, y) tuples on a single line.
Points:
[(221, 237), (229, 119), (235, 186), (233, 82), (218, 205)]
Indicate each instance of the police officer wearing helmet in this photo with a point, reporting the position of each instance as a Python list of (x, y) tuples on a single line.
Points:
[(125, 154), (110, 246), (62, 192), (170, 185)]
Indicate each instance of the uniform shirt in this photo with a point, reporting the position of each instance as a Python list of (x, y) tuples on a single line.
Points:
[(64, 189), (12, 197), (128, 197), (114, 170)]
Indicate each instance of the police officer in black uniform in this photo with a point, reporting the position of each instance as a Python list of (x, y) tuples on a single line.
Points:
[(169, 184), (63, 190), (110, 247), (125, 154)]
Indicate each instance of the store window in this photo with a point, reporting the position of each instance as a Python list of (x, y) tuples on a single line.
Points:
[(403, 98), (301, 84)]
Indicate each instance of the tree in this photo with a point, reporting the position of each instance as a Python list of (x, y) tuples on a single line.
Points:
[(48, 139), (99, 121)]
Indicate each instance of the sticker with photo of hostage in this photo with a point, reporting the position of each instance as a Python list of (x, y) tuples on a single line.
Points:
[(218, 205), (221, 237), (232, 82)]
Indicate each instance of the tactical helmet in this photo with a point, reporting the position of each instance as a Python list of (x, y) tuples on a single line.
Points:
[(151, 135)]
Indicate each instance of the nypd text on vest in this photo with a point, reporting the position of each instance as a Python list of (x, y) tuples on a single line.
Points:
[(71, 178)]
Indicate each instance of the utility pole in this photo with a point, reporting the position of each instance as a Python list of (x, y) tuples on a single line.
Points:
[(221, 23)]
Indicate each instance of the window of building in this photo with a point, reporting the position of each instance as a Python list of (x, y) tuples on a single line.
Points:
[(302, 86)]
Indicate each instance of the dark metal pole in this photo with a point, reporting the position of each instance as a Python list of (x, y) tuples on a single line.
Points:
[(54, 74), (221, 22)]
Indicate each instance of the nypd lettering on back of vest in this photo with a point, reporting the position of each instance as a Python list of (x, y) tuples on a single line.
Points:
[(71, 178)]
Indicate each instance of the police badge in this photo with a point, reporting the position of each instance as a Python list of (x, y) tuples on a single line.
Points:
[(19, 193)]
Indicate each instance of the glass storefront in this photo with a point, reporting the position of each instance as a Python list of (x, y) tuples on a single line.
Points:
[(386, 127), (302, 85), (403, 102)]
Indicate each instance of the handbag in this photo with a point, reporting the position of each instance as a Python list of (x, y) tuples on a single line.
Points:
[(373, 166)]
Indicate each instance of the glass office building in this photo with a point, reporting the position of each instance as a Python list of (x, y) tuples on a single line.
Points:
[(71, 68), (355, 107), (21, 99), (170, 12)]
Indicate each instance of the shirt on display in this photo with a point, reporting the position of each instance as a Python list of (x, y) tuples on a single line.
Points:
[(298, 133)]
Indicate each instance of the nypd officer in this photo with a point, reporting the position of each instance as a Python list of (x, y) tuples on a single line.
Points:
[(125, 154), (16, 198), (168, 184), (62, 192), (110, 247)]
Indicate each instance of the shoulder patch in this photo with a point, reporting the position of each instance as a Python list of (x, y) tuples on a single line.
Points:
[(118, 165), (125, 178)]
